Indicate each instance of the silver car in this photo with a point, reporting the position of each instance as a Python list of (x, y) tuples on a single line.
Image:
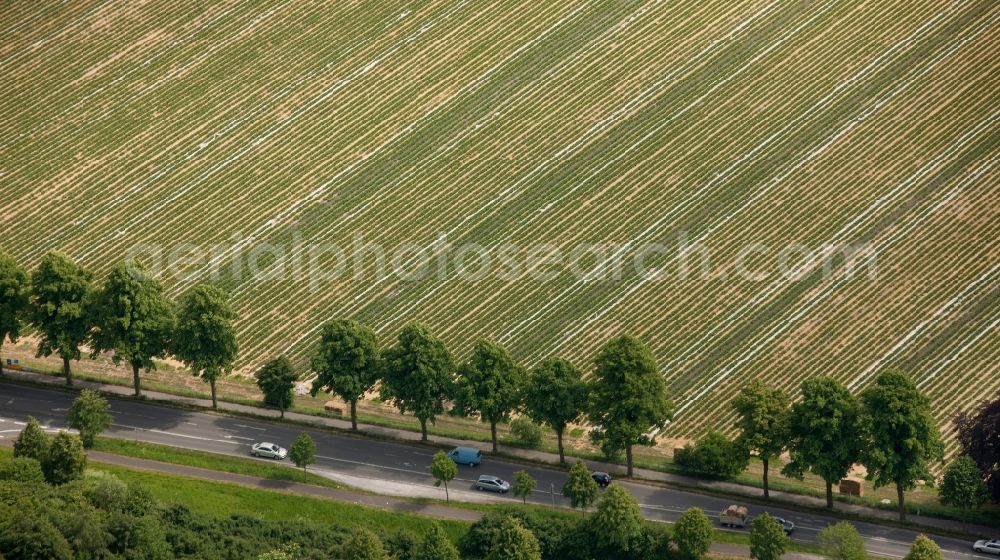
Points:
[(493, 484), (268, 449), (991, 546)]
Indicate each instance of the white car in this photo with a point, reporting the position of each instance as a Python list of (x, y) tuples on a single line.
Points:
[(268, 449), (991, 546), (492, 484)]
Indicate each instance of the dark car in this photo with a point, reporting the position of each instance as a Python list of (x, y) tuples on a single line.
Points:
[(602, 479)]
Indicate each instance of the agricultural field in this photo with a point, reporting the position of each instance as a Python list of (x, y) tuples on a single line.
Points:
[(814, 181)]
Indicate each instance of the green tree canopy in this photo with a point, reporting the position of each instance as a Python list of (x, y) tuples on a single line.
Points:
[(629, 397), (693, 533), (418, 374), (714, 455), (579, 487), (556, 394), (763, 417), (768, 540), (32, 536), (444, 470), (435, 545), (903, 436), (303, 451), (524, 485), (15, 289), (963, 486), (90, 414), (205, 339), (923, 548), (65, 459), (32, 442), (514, 542), (60, 308), (617, 523), (825, 429), (133, 319), (347, 362), (276, 379), (362, 544), (842, 542), (22, 469), (489, 384)]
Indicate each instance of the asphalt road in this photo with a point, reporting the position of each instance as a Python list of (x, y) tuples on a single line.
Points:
[(400, 462)]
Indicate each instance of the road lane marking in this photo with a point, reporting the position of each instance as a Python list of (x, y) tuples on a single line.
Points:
[(137, 429), (238, 437), (252, 427)]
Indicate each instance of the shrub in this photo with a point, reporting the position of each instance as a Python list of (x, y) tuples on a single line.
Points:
[(923, 548), (89, 414), (768, 540), (712, 456), (527, 432), (65, 459), (693, 533), (32, 536), (32, 442), (108, 493), (842, 542), (22, 469)]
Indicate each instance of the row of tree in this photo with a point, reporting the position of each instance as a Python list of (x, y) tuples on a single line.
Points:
[(128, 316), (625, 398), (888, 428)]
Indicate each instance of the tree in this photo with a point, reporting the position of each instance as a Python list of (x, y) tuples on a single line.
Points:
[(60, 305), (524, 485), (768, 540), (617, 522), (842, 542), (903, 436), (693, 533), (303, 451), (276, 380), (32, 536), (514, 542), (133, 318), (629, 397), (762, 422), (579, 487), (206, 339), (418, 375), (65, 459), (444, 470), (347, 362), (556, 394), (489, 384), (435, 545), (979, 435), (713, 456), (364, 545), (923, 548), (287, 551), (32, 442), (824, 433), (15, 289), (963, 486), (90, 415)]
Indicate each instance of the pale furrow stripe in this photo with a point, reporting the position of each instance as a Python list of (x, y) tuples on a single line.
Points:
[(326, 94), (781, 328), (777, 179), (967, 343), (943, 311), (544, 165)]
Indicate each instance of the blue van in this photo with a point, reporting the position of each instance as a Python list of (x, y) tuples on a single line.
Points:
[(466, 456)]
